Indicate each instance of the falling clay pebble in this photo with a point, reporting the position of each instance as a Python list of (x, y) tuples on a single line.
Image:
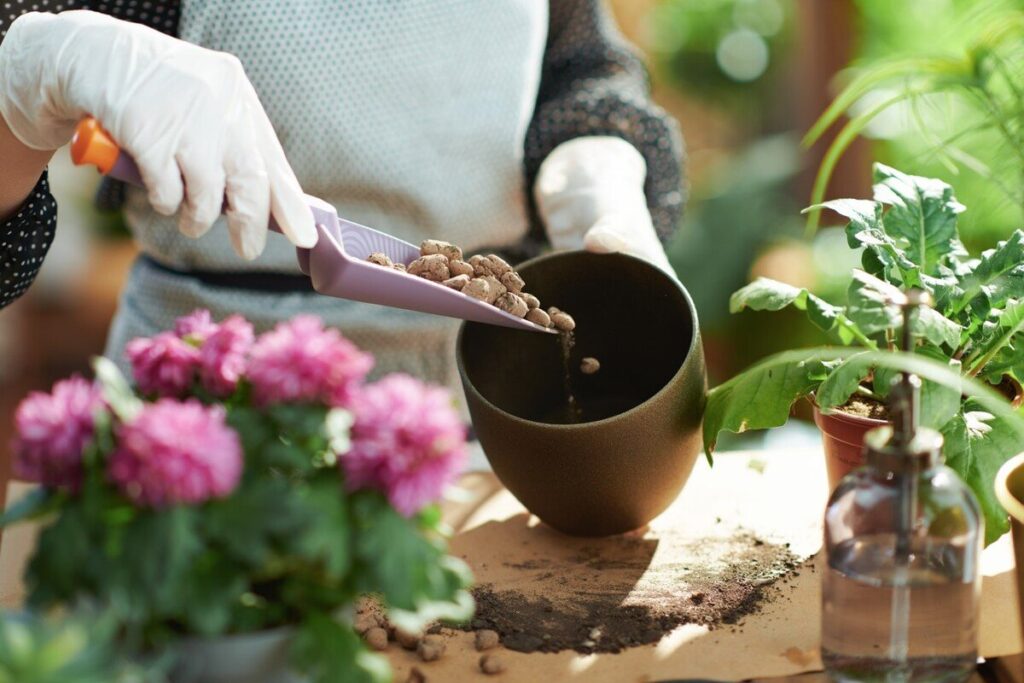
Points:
[(563, 321), (460, 268), (538, 317), (458, 282), (491, 664), (512, 281), (380, 258), (431, 247), (430, 648), (589, 366), (376, 638), (486, 639), (511, 303), (416, 676), (531, 301), (406, 639)]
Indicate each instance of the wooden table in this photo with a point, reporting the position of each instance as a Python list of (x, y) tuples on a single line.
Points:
[(779, 496)]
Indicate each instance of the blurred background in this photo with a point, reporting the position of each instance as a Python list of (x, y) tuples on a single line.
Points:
[(746, 79)]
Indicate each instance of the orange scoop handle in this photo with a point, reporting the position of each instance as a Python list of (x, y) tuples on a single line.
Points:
[(93, 145)]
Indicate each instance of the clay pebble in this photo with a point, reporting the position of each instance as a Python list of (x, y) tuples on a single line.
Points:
[(531, 301), (486, 639), (538, 317), (416, 676), (491, 664), (430, 648), (376, 638), (447, 249), (407, 639), (458, 282), (512, 303), (380, 259), (433, 267), (590, 365), (563, 321), (460, 268)]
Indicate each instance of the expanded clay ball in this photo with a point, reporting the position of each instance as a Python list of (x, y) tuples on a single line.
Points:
[(538, 317), (458, 282), (407, 639), (491, 664), (512, 303), (481, 265), (531, 301), (460, 268), (431, 247), (495, 288), (433, 267), (563, 321), (486, 639), (416, 676), (380, 258), (498, 265), (376, 638), (399, 266), (364, 621), (431, 648), (512, 281), (589, 365)]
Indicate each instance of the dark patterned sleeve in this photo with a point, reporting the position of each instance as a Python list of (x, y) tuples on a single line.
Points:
[(594, 83), (24, 240)]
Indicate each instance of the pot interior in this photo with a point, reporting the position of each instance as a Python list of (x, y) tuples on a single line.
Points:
[(638, 322)]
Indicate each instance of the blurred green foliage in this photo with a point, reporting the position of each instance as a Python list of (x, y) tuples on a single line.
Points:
[(723, 50), (940, 85)]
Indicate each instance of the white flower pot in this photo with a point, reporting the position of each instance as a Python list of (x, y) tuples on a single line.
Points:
[(250, 658)]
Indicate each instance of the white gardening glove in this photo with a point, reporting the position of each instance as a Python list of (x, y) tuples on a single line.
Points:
[(188, 115), (590, 194)]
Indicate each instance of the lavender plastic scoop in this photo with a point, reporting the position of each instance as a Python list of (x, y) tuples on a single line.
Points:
[(337, 266)]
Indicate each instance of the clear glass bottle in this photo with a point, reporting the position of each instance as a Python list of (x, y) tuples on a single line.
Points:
[(903, 538)]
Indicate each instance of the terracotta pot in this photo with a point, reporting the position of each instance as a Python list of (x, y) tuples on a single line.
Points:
[(261, 657), (843, 440), (617, 472), (1010, 492)]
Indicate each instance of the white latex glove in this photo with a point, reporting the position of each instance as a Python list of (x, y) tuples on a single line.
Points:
[(188, 115), (590, 194)]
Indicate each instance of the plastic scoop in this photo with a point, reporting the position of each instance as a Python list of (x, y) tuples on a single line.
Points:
[(337, 265)]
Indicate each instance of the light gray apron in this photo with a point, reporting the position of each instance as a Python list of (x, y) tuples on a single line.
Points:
[(408, 115)]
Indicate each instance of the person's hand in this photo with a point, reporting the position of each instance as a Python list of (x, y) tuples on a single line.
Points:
[(188, 116), (590, 193)]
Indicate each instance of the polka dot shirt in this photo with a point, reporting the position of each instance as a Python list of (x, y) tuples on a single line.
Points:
[(592, 83), (24, 241)]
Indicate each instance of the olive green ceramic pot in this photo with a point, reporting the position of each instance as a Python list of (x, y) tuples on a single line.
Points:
[(625, 457)]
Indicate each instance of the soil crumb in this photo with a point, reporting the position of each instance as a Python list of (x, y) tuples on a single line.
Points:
[(862, 406), (616, 600)]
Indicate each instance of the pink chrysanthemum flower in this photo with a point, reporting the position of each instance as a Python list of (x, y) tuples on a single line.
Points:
[(197, 325), (223, 355), (176, 452), (164, 365), (52, 430), (407, 441), (300, 361)]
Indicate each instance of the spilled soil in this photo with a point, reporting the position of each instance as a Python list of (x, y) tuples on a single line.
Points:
[(606, 599)]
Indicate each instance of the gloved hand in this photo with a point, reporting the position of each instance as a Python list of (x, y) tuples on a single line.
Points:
[(590, 194), (188, 115)]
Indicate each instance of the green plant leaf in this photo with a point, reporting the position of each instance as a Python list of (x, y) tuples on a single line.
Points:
[(872, 309), (842, 382), (762, 396), (922, 215), (998, 336), (37, 503), (330, 652), (976, 446), (328, 535), (997, 276), (883, 256), (411, 572)]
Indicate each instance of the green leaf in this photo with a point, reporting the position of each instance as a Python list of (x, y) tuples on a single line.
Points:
[(764, 294), (871, 307), (976, 446), (922, 216), (329, 652), (211, 591), (1008, 324), (240, 526), (327, 537), (37, 503), (116, 390), (882, 257), (762, 395), (411, 572), (998, 276), (842, 382)]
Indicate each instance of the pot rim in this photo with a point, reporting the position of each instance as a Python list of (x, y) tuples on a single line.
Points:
[(1010, 502), (847, 417), (694, 343)]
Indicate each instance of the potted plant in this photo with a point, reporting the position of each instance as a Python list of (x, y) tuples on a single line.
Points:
[(234, 504), (908, 237)]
